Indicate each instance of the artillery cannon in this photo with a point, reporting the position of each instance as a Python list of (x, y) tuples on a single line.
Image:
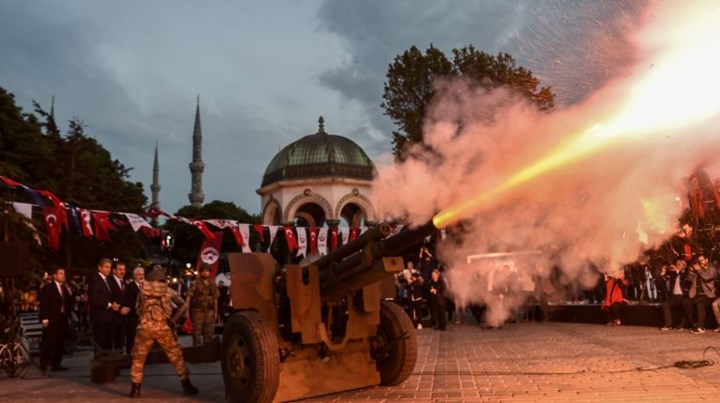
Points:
[(322, 327)]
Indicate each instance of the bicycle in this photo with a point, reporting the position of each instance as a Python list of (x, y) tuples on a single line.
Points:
[(14, 354)]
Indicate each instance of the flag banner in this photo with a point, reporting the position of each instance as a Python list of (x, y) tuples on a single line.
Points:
[(137, 222), (322, 241), (60, 212), (312, 236), (333, 238), (25, 210), (354, 231), (52, 227), (200, 224), (154, 212), (222, 224), (273, 232), (233, 225), (245, 231), (86, 220), (301, 241), (260, 231), (290, 238), (75, 219), (103, 226), (344, 234), (210, 253)]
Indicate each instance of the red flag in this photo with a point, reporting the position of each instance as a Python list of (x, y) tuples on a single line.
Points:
[(103, 226), (9, 182), (290, 238), (52, 227), (154, 212), (85, 223), (354, 231), (210, 253), (333, 237), (237, 234), (204, 229), (60, 212), (313, 240), (261, 232)]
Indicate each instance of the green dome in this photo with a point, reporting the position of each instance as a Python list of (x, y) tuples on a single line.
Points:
[(319, 155)]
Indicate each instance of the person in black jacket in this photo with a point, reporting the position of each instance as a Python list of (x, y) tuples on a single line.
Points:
[(102, 306), (130, 301), (677, 300), (55, 307), (436, 300)]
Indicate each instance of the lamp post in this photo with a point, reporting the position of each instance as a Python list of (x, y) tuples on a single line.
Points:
[(169, 241)]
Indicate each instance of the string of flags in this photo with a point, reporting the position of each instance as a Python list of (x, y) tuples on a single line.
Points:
[(60, 216)]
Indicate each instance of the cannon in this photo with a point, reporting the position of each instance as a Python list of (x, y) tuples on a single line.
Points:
[(311, 329)]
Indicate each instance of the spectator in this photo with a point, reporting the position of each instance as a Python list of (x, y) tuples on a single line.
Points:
[(55, 308), (417, 298), (102, 306), (118, 290), (614, 298), (436, 300), (678, 299), (130, 301), (702, 289)]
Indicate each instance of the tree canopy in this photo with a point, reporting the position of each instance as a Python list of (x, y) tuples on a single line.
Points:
[(411, 78)]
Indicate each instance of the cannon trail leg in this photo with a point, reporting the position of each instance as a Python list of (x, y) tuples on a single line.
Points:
[(396, 349), (250, 359)]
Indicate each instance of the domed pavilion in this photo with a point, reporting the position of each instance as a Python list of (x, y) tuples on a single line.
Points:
[(317, 180)]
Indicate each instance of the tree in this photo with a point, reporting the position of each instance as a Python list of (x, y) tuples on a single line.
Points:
[(411, 77)]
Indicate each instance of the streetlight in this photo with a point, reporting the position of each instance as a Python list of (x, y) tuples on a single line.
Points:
[(169, 241)]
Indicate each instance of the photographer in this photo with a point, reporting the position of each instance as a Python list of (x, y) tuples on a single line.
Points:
[(702, 289)]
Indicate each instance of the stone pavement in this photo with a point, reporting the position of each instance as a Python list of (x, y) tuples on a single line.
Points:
[(554, 362)]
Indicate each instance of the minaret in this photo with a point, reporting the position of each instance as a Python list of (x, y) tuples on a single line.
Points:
[(155, 187), (197, 167)]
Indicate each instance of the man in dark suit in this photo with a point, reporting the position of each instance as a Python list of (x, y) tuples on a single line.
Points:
[(55, 307), (118, 289), (102, 306), (130, 301)]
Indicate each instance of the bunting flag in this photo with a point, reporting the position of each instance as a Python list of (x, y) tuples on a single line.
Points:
[(75, 219), (333, 238), (137, 222), (25, 210), (313, 234), (301, 241), (354, 232), (154, 212), (9, 182), (103, 226), (85, 220), (273, 232), (237, 234), (344, 234), (220, 223), (290, 238), (260, 231), (200, 224), (210, 252), (245, 231), (31, 193), (322, 241), (52, 226), (61, 214)]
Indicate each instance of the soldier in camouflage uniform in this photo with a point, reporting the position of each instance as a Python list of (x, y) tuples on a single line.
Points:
[(202, 300), (154, 306)]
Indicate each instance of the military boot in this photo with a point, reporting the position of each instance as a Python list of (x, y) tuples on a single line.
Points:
[(135, 391), (188, 388)]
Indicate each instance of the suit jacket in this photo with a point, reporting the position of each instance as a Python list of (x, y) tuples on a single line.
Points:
[(54, 306), (130, 299), (99, 296)]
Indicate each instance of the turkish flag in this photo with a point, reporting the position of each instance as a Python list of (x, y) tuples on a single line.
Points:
[(313, 240), (333, 238), (52, 227), (261, 232), (210, 253), (85, 223), (60, 212), (200, 224), (290, 238), (237, 234), (103, 226)]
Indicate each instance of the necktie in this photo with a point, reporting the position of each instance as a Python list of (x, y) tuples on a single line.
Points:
[(122, 286)]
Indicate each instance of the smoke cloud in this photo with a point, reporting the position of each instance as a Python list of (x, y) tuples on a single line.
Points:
[(599, 209)]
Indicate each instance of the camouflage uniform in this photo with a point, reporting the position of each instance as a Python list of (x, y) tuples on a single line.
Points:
[(203, 295), (155, 310)]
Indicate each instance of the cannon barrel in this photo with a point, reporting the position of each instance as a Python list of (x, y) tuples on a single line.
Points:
[(360, 262)]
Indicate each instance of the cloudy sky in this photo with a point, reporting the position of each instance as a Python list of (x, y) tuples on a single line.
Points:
[(265, 71)]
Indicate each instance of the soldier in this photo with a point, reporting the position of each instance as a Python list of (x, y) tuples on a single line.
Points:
[(154, 306), (202, 301)]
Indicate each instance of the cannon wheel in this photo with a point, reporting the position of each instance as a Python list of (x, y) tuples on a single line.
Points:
[(250, 359), (396, 344)]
